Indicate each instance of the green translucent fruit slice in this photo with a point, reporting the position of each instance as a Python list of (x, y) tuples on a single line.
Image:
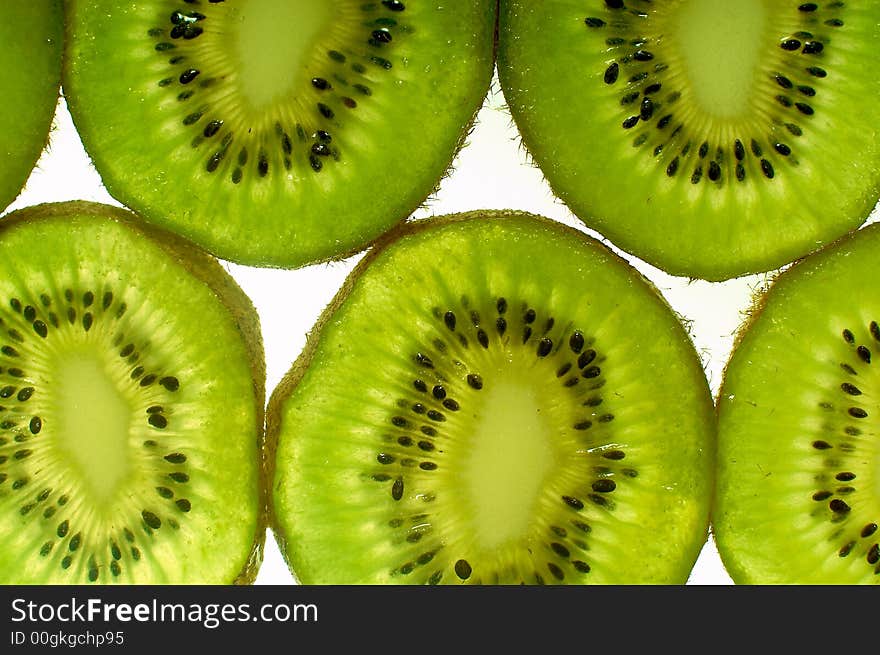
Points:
[(709, 138), (799, 458), (496, 399), (131, 392), (31, 34), (276, 132)]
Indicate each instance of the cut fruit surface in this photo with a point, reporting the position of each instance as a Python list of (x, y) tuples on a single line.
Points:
[(270, 132), (493, 398), (31, 34), (798, 497), (711, 139), (131, 406)]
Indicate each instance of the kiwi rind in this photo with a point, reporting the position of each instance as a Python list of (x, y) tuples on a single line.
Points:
[(290, 231), (732, 533), (32, 45), (678, 228), (306, 362), (208, 271)]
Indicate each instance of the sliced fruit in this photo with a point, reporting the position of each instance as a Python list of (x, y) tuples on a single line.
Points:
[(131, 406), (493, 398)]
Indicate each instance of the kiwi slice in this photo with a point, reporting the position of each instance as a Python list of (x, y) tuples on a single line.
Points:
[(273, 132), (131, 405), (798, 497), (493, 398), (31, 34), (709, 138)]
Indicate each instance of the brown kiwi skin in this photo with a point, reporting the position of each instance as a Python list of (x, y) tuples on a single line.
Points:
[(301, 365), (208, 270)]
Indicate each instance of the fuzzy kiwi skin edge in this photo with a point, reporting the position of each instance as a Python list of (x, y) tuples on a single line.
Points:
[(301, 365), (207, 270)]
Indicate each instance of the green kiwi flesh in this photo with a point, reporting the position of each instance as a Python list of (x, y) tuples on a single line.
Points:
[(131, 406), (31, 34), (271, 132), (798, 496), (492, 398), (709, 138)]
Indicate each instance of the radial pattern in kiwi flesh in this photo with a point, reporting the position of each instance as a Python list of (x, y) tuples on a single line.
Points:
[(31, 34), (496, 399), (131, 391), (274, 132), (709, 138), (798, 497)]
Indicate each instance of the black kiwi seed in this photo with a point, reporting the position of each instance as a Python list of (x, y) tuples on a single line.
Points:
[(586, 358), (463, 569), (212, 128), (151, 519), (475, 381), (612, 73), (604, 486), (189, 75), (555, 571), (397, 489), (839, 507), (170, 383)]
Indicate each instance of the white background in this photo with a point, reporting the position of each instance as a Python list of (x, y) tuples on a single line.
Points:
[(491, 172)]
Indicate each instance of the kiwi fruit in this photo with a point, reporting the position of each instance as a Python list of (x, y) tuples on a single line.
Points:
[(131, 405), (492, 398), (32, 35), (271, 132), (709, 138), (798, 499)]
